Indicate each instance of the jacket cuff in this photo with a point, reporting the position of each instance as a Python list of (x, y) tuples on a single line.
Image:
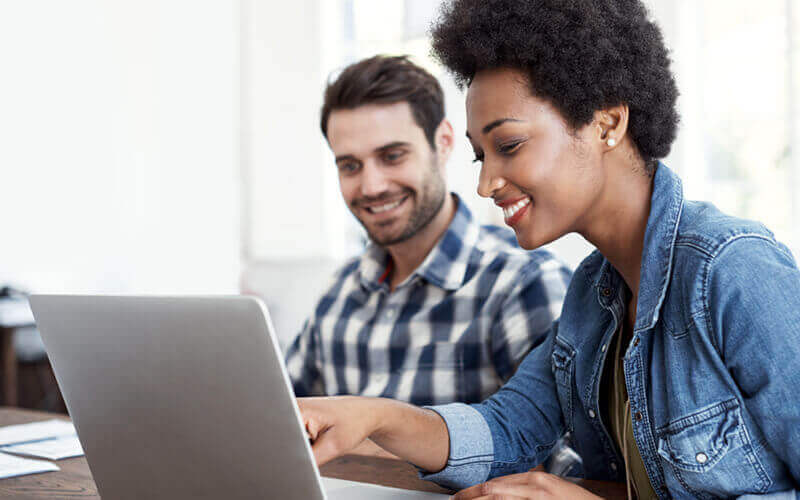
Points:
[(471, 447)]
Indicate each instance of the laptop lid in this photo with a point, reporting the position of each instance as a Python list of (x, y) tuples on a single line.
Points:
[(178, 397)]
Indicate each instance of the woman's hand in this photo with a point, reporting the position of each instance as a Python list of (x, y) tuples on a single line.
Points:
[(528, 485), (336, 425)]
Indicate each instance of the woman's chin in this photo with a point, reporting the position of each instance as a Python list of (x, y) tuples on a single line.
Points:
[(530, 240), (527, 242)]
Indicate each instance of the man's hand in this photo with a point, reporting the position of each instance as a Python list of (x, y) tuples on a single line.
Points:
[(336, 425), (528, 485)]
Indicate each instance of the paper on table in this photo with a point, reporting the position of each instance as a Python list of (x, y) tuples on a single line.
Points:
[(11, 466), (54, 449), (36, 431)]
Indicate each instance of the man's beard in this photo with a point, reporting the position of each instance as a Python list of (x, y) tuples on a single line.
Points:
[(428, 203)]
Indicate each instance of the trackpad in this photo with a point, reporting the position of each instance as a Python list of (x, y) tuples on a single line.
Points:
[(339, 489)]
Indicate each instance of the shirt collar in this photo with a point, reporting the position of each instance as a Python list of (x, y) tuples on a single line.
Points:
[(666, 205), (445, 266)]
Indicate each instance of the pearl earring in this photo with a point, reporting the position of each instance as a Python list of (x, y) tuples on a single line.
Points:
[(611, 142)]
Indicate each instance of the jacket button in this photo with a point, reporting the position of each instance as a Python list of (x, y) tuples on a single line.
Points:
[(606, 292), (591, 414), (638, 416), (701, 458)]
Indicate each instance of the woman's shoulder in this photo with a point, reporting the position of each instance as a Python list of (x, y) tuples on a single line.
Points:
[(706, 230)]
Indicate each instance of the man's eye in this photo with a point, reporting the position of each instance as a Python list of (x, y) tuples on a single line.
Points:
[(393, 156), (347, 168)]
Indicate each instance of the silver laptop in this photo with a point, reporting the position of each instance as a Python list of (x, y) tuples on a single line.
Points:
[(184, 397)]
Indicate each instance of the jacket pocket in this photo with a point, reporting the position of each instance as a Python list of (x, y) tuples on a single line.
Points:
[(709, 453), (564, 372)]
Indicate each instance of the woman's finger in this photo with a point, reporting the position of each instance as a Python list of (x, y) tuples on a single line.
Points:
[(483, 489)]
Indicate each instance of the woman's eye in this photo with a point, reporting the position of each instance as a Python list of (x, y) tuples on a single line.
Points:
[(478, 158), (508, 149)]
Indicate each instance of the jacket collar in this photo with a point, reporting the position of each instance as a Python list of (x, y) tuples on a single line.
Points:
[(666, 205)]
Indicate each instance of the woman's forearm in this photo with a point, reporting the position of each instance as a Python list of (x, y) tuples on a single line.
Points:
[(415, 434)]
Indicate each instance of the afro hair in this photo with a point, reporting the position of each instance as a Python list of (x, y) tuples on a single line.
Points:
[(579, 55)]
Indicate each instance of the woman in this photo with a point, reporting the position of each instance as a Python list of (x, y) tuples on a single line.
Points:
[(675, 361)]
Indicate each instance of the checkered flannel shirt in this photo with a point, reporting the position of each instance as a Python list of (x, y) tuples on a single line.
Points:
[(455, 330)]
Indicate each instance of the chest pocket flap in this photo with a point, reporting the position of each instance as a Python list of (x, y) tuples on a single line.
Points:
[(710, 451)]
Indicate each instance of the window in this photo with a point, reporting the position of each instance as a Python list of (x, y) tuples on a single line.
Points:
[(738, 68)]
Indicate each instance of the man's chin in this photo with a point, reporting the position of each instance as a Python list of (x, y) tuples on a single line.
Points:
[(386, 238)]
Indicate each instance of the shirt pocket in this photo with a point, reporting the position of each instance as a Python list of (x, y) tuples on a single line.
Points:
[(563, 367), (709, 453)]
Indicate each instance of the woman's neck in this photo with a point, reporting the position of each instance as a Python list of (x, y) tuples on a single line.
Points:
[(619, 221)]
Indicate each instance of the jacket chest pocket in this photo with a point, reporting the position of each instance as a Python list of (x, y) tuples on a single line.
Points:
[(709, 453), (563, 367)]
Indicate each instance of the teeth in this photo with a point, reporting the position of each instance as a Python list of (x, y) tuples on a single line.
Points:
[(384, 208), (509, 212)]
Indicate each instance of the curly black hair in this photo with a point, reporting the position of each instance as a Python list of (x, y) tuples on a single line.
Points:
[(580, 55)]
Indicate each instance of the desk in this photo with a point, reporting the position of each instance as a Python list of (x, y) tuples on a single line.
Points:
[(75, 481)]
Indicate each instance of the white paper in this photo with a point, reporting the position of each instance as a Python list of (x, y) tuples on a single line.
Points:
[(11, 466), (54, 449), (36, 431)]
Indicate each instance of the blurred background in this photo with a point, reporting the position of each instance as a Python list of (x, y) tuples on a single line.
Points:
[(173, 146)]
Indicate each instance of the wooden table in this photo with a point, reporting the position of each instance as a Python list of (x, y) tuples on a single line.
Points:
[(75, 481)]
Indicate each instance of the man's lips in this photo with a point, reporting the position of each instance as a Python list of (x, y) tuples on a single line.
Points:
[(378, 208)]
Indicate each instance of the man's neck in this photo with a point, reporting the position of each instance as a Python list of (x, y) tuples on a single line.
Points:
[(409, 255)]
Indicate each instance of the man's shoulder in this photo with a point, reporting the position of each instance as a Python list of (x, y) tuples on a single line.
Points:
[(349, 267), (342, 279), (499, 246)]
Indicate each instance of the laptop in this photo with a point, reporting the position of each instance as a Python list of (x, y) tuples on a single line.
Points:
[(185, 397)]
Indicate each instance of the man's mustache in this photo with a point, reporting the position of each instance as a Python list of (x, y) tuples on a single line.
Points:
[(383, 197)]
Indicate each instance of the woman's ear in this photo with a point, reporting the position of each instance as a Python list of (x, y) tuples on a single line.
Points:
[(612, 125)]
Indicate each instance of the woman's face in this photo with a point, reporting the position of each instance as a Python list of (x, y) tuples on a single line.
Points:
[(545, 177)]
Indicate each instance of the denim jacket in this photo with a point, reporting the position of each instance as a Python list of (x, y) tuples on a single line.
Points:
[(712, 370)]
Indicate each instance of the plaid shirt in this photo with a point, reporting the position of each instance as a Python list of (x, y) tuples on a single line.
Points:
[(455, 330)]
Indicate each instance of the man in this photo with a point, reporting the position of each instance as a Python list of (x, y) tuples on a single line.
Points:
[(437, 309)]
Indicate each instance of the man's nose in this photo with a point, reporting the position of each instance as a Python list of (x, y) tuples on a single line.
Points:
[(373, 180)]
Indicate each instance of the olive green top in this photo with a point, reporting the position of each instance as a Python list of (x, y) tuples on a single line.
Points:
[(618, 412)]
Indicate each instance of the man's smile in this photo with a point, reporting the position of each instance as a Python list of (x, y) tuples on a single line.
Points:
[(385, 208)]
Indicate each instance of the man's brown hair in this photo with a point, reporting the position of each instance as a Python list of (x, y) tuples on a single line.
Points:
[(387, 80)]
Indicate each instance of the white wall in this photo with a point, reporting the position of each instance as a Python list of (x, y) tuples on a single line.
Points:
[(284, 154), (119, 145)]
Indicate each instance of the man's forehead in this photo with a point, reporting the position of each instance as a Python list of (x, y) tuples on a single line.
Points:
[(363, 129)]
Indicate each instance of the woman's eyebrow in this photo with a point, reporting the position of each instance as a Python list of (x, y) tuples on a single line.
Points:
[(490, 126)]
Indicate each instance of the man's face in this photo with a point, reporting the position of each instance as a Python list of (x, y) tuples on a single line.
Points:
[(390, 177)]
